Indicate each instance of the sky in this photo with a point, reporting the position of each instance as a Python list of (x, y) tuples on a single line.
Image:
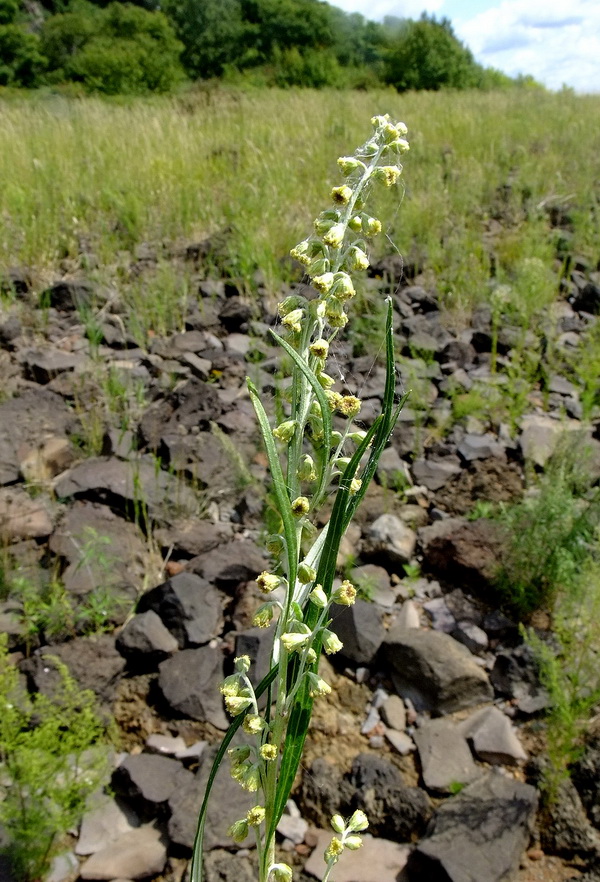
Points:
[(557, 43)]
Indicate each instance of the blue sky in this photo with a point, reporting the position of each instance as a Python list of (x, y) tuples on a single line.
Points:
[(555, 43)]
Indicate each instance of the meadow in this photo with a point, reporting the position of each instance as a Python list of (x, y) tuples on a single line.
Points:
[(493, 180)]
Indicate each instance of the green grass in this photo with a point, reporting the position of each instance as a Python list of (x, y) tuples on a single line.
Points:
[(103, 176)]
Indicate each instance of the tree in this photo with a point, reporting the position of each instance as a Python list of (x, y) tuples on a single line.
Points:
[(20, 60), (213, 34), (426, 54)]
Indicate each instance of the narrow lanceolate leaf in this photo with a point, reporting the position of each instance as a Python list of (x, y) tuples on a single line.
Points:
[(279, 485), (316, 387), (197, 853), (344, 507)]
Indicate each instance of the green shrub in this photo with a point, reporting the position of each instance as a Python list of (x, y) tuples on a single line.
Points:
[(549, 535), (120, 49), (20, 60), (8, 11), (52, 755)]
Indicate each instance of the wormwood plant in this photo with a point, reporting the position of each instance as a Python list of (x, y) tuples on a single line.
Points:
[(52, 757), (309, 459)]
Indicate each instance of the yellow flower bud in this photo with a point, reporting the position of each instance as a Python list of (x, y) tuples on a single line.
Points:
[(253, 724), (239, 830), (337, 822), (267, 582), (341, 195), (358, 822), (335, 235), (263, 616), (334, 850), (348, 164), (353, 842), (300, 506), (323, 283), (320, 348), (388, 174), (285, 431), (331, 642), (371, 226), (293, 320), (306, 573), (345, 594), (349, 405), (256, 816), (268, 752), (318, 597)]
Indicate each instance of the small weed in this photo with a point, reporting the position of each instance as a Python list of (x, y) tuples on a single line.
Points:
[(52, 756)]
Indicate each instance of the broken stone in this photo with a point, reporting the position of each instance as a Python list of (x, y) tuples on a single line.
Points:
[(390, 538), (435, 473), (146, 636), (360, 628), (107, 819), (393, 713), (22, 517), (435, 671), (147, 781), (481, 833), (493, 737), (446, 760), (134, 855), (188, 606), (378, 860), (189, 682)]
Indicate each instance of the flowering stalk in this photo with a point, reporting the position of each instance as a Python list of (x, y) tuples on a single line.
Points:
[(307, 458)]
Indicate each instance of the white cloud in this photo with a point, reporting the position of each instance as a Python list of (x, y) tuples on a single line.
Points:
[(536, 37), (376, 10)]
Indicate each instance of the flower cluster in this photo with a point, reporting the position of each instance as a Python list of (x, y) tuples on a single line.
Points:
[(346, 837)]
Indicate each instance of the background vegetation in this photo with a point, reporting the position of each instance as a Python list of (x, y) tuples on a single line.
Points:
[(146, 46)]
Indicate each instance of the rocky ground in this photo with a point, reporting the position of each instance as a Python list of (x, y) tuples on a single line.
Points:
[(136, 473)]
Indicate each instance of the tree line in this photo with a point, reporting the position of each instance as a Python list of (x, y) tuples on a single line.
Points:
[(154, 45)]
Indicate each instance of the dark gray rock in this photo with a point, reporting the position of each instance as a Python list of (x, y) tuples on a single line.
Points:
[(360, 628), (131, 486), (92, 661), (446, 761), (228, 803), (192, 406), (193, 536), (256, 643), (68, 295), (466, 553), (223, 866), (389, 538), (101, 550), (145, 639), (25, 422), (44, 365), (190, 607), (587, 299), (480, 447), (480, 834), (585, 775), (434, 473), (147, 781), (104, 821), (394, 810), (189, 682), (493, 737), (434, 671), (566, 829), (229, 564), (515, 676)]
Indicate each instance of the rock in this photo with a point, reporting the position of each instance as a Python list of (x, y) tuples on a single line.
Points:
[(585, 775), (188, 606), (231, 563), (166, 745), (446, 761), (493, 737), (394, 810), (434, 671), (393, 713), (93, 662), (102, 550), (400, 741), (191, 406), (52, 457), (434, 473), (587, 299), (515, 676), (540, 436), (189, 682), (223, 866), (392, 471), (390, 538), (480, 834), (22, 517), (64, 867), (360, 628), (147, 781), (228, 803), (44, 365), (256, 643), (134, 855), (480, 447), (292, 828), (103, 823), (466, 553), (378, 860), (408, 617), (471, 636), (325, 792), (441, 617), (566, 829), (373, 583), (132, 486), (193, 537), (25, 423), (145, 636), (68, 295)]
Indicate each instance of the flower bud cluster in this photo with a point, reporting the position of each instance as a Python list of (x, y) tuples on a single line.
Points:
[(347, 837), (330, 259)]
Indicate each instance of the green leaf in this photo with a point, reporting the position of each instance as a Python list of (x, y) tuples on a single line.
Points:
[(197, 854), (279, 485)]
